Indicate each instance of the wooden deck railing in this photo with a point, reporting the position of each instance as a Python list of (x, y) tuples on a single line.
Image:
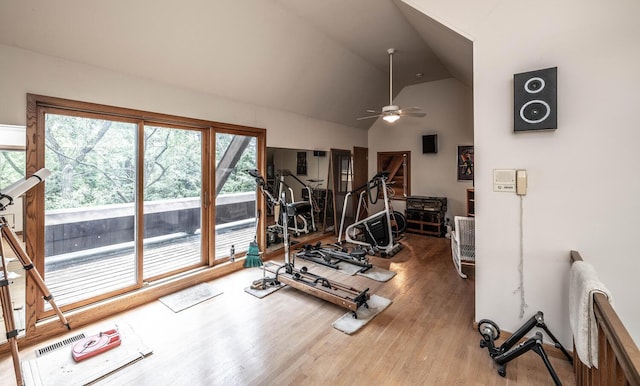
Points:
[(618, 355)]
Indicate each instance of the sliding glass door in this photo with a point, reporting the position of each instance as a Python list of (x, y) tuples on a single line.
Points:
[(172, 200), (235, 222), (133, 198), (90, 206), (92, 212)]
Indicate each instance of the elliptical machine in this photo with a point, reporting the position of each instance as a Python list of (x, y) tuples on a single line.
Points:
[(375, 233), (503, 354)]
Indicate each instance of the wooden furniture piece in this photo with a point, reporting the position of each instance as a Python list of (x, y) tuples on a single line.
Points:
[(463, 243), (425, 215), (471, 202), (618, 355)]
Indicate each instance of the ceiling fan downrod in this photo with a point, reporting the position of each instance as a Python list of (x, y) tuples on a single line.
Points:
[(391, 51)]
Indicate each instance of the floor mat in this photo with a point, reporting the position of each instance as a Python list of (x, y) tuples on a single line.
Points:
[(349, 325), (349, 269), (378, 274), (373, 273), (262, 293), (189, 297), (58, 367)]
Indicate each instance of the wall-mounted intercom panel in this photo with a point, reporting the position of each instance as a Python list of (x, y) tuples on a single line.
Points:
[(510, 181), (504, 180), (521, 182)]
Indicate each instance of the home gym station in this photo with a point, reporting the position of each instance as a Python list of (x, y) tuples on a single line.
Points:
[(302, 279)]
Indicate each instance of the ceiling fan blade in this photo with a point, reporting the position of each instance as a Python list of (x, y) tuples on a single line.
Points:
[(406, 109), (374, 111), (370, 116), (403, 114)]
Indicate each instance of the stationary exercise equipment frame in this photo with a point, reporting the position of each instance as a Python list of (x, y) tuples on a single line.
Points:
[(301, 279), (7, 196), (331, 255), (503, 354), (306, 217), (377, 229)]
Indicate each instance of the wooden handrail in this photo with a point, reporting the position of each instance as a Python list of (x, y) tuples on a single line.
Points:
[(618, 355)]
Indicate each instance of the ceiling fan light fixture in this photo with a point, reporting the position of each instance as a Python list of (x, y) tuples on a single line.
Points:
[(391, 118), (391, 112)]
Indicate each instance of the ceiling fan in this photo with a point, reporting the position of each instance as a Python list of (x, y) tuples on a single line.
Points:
[(392, 113)]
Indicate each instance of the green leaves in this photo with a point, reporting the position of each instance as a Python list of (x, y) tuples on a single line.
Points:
[(93, 162)]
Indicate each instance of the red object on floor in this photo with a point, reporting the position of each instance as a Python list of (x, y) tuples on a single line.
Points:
[(95, 344)]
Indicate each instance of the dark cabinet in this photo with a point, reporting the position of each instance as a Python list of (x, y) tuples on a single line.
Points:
[(425, 215)]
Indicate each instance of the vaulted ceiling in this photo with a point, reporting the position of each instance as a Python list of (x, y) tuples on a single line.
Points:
[(322, 59)]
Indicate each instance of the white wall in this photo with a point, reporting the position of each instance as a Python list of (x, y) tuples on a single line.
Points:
[(448, 105), (27, 72), (583, 188)]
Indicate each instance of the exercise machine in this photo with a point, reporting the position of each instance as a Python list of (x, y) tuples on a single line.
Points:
[(330, 290), (374, 233), (503, 354), (302, 219), (301, 279), (331, 255), (7, 196)]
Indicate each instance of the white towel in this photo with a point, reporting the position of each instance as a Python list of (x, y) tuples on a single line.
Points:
[(583, 283)]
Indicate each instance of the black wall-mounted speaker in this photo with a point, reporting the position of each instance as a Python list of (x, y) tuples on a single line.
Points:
[(319, 153), (429, 144), (535, 100)]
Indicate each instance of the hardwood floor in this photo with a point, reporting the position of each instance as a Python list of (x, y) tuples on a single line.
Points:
[(425, 337)]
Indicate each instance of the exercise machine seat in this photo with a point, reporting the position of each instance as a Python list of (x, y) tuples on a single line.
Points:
[(300, 207)]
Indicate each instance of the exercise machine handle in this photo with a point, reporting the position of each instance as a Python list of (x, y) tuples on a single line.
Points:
[(384, 174)]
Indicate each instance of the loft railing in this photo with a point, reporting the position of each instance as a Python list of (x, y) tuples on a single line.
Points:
[(618, 355)]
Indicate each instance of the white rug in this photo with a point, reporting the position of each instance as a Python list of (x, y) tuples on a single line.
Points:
[(378, 274), (259, 293), (374, 273), (189, 297), (58, 367), (349, 269), (349, 325)]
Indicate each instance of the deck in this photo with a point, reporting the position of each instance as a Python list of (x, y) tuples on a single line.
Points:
[(78, 277), (75, 277)]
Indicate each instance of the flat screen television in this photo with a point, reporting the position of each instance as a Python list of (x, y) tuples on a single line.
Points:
[(430, 144)]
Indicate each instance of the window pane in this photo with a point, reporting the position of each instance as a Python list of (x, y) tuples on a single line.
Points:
[(12, 169), (89, 207), (172, 200), (235, 193), (12, 166)]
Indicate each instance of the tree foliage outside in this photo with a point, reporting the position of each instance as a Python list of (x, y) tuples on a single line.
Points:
[(93, 162), (172, 163), (239, 180), (12, 167)]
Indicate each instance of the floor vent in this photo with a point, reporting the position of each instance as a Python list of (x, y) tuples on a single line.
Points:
[(57, 345)]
